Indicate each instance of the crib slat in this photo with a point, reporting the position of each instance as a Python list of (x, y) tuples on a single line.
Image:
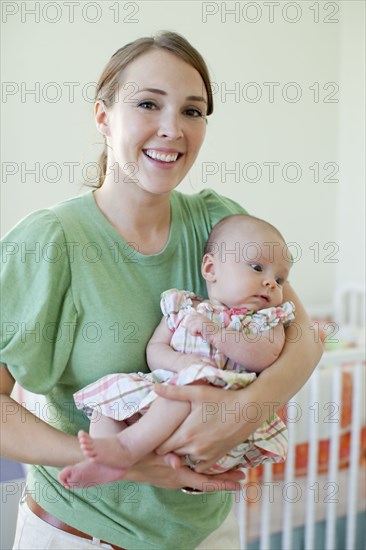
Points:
[(312, 463), (334, 419), (353, 309), (242, 514), (354, 458), (349, 306), (289, 478), (331, 362), (265, 509)]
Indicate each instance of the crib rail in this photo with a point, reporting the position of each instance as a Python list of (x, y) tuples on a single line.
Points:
[(353, 360), (349, 305)]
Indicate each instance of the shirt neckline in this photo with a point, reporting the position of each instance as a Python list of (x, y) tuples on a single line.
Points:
[(132, 252)]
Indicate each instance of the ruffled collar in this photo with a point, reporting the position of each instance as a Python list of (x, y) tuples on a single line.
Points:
[(208, 306)]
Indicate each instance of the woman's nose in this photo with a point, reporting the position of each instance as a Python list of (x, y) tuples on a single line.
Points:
[(170, 126)]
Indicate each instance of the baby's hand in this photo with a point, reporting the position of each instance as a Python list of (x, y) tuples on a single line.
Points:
[(199, 325)]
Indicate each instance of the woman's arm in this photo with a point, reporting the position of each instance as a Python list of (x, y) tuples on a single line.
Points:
[(220, 420), (28, 439)]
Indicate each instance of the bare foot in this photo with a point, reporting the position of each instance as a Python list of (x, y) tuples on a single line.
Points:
[(88, 473), (109, 451)]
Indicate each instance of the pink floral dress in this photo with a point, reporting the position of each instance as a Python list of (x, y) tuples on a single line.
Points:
[(121, 395)]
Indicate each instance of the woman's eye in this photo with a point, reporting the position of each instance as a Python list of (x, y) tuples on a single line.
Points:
[(256, 267), (279, 281), (148, 105), (195, 113)]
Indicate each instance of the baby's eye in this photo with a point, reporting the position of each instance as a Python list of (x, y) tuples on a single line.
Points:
[(148, 105), (257, 267)]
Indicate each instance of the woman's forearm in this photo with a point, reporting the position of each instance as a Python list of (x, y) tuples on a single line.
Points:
[(28, 439), (298, 359)]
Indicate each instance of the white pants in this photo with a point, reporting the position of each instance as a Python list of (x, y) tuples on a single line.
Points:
[(32, 533)]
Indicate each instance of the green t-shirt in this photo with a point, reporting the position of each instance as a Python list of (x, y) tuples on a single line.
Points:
[(78, 303)]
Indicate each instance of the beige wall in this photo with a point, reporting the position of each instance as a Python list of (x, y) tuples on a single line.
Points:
[(302, 61)]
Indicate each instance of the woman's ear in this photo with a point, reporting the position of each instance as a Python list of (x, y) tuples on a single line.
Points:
[(101, 118), (208, 268)]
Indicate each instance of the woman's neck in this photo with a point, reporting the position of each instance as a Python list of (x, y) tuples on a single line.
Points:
[(138, 216)]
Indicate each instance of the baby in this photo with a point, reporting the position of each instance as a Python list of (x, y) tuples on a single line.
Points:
[(223, 341)]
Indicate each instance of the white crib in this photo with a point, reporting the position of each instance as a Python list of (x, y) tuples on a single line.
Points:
[(329, 411)]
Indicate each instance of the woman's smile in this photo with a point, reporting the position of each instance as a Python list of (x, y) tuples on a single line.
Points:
[(161, 157)]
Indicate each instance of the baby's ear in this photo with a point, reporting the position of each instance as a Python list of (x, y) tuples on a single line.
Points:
[(208, 268)]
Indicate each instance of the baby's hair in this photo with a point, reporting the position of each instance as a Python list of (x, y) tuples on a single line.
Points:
[(217, 231)]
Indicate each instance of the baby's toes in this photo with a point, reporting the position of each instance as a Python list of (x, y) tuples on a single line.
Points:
[(65, 477)]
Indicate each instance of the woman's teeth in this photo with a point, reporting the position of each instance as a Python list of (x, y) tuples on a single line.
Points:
[(170, 157)]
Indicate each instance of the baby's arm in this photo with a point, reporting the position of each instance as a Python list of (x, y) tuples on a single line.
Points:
[(160, 355), (254, 352)]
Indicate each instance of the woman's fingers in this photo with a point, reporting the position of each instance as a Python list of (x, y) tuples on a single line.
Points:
[(229, 481), (205, 413), (174, 461), (156, 470)]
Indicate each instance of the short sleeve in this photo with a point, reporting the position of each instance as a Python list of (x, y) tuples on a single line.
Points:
[(219, 206), (273, 316), (263, 319), (38, 316), (173, 303)]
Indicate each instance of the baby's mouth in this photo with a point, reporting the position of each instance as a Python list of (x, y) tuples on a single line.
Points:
[(264, 297)]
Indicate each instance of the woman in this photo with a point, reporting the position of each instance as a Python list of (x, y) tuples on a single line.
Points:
[(104, 259)]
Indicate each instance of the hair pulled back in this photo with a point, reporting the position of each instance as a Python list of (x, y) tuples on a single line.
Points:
[(110, 79)]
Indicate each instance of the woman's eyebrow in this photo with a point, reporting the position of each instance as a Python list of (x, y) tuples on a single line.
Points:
[(161, 92)]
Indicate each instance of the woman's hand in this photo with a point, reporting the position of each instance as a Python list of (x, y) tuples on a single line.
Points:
[(156, 470), (219, 420)]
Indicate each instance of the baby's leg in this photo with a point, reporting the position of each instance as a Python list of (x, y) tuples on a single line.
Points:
[(86, 472), (126, 448), (104, 426)]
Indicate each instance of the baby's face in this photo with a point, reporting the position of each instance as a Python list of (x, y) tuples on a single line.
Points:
[(250, 273)]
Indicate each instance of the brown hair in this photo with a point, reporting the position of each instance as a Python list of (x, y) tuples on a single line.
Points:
[(110, 79)]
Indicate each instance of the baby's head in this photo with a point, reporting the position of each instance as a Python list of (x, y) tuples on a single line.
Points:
[(245, 264)]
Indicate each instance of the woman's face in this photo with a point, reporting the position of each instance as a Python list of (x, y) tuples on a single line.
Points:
[(156, 126)]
